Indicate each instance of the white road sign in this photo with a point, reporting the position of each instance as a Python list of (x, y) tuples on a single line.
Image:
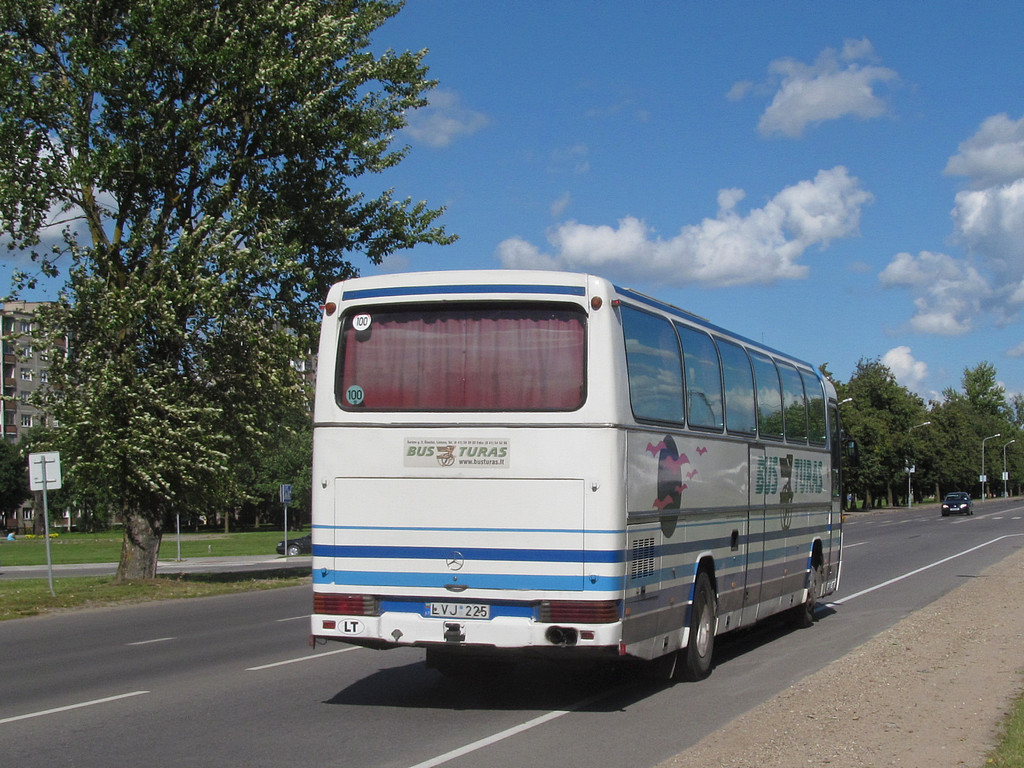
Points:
[(44, 465)]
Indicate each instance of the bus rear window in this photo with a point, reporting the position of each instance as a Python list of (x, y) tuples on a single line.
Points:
[(462, 358)]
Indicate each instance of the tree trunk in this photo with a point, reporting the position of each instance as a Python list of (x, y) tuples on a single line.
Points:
[(140, 548)]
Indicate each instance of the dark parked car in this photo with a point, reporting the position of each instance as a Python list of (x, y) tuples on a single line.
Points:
[(958, 503), (304, 545)]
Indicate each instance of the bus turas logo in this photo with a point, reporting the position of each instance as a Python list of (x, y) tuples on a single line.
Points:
[(787, 518), (457, 453), (788, 476), (446, 455)]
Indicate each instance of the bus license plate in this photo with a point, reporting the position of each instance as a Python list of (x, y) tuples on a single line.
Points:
[(458, 611)]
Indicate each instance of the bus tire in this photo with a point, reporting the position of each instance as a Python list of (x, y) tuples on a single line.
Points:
[(696, 657), (803, 615)]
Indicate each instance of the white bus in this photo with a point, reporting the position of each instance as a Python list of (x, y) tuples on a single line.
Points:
[(529, 462)]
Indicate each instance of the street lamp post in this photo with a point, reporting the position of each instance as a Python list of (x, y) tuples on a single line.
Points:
[(911, 468), (984, 478), (1004, 466)]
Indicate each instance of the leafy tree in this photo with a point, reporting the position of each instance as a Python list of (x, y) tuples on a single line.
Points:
[(202, 158), (286, 458), (1016, 406), (882, 418), (984, 396), (968, 417), (957, 454), (13, 478)]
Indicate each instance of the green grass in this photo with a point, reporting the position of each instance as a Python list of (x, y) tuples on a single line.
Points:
[(69, 548), (31, 597), (1010, 752)]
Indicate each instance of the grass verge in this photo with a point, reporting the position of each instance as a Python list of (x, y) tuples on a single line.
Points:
[(1010, 752), (66, 548), (31, 597)]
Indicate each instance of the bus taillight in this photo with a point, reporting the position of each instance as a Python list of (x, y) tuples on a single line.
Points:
[(344, 605), (579, 612)]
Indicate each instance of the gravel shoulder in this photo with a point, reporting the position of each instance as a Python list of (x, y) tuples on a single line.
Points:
[(929, 692)]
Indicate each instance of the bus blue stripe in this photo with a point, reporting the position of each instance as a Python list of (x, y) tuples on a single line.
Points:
[(510, 581), (420, 290)]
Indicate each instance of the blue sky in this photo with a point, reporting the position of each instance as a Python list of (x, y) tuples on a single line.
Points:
[(839, 180)]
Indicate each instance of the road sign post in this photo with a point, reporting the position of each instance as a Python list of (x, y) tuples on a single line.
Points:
[(286, 499), (44, 474)]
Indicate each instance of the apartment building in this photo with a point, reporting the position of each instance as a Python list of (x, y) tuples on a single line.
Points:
[(26, 363)]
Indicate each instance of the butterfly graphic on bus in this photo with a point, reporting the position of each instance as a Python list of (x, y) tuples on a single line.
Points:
[(670, 472)]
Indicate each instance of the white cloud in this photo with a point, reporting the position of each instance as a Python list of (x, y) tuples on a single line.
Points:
[(994, 155), (988, 220), (926, 268), (838, 84), (443, 120), (575, 159), (739, 90), (988, 217), (558, 207), (762, 246), (1017, 351), (948, 293), (908, 371)]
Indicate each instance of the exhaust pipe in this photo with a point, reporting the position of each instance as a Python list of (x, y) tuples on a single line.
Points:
[(563, 636)]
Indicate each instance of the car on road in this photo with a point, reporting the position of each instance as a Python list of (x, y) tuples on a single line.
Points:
[(957, 503), (300, 546)]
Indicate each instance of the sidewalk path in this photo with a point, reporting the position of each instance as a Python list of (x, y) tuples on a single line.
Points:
[(185, 565)]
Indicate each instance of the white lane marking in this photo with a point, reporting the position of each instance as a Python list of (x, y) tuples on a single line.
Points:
[(69, 707), (155, 640), (294, 618), (863, 592), (502, 735), (302, 658)]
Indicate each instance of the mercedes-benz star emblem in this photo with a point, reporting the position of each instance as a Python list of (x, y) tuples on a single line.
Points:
[(455, 561)]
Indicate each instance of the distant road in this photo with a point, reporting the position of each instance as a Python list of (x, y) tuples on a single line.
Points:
[(165, 566)]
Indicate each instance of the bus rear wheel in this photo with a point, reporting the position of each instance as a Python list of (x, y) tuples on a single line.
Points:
[(696, 657), (803, 614)]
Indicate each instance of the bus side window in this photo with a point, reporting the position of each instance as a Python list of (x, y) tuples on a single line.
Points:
[(740, 413), (703, 374), (816, 430), (795, 402), (769, 397), (654, 366)]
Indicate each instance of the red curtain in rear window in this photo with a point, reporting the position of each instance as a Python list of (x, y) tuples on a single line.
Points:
[(468, 359)]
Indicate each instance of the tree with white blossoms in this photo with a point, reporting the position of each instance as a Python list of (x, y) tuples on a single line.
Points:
[(197, 161)]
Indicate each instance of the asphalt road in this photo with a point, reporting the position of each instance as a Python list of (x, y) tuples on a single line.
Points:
[(231, 680)]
